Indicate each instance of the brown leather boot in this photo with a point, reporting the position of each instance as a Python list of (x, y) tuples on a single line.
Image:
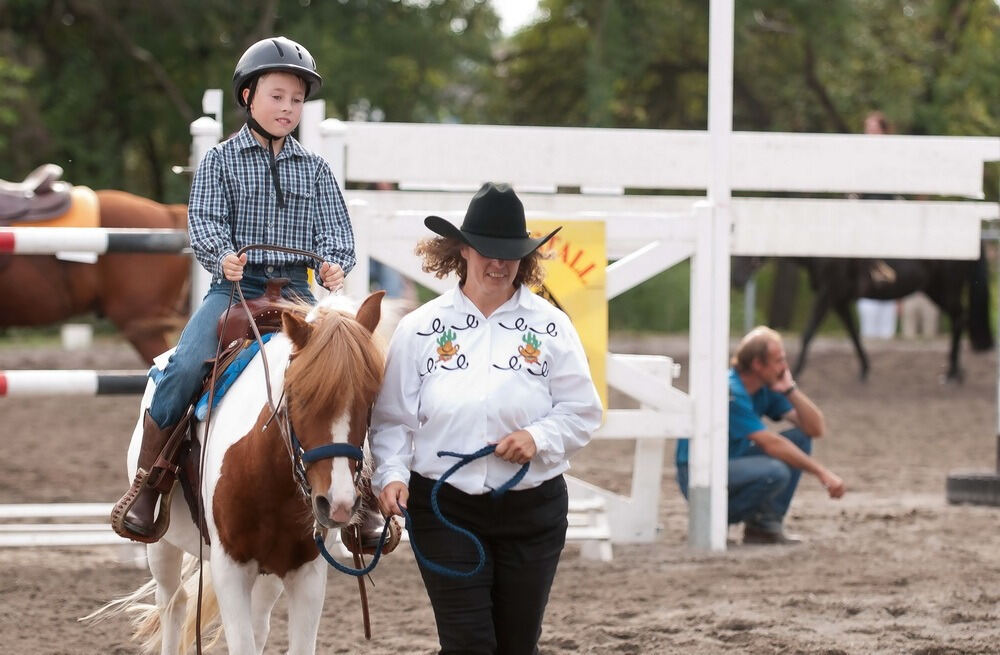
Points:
[(132, 516)]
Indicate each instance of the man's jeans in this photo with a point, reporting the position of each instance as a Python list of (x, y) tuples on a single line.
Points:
[(183, 375), (760, 486)]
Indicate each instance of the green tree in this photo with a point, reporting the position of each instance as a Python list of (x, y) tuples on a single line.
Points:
[(115, 84), (13, 80), (626, 63), (800, 66)]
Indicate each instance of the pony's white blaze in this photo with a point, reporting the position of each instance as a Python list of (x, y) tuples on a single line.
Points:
[(341, 493)]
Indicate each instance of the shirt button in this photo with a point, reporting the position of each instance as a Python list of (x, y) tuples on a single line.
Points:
[(269, 269)]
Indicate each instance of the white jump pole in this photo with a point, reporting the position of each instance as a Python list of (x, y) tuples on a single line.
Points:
[(71, 383), (99, 240)]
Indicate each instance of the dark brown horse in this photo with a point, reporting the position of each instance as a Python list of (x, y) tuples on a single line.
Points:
[(144, 295), (838, 282)]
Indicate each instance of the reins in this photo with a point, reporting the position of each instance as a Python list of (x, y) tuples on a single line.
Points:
[(236, 288)]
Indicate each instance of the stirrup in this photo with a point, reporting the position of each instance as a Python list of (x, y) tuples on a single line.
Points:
[(122, 507), (349, 537)]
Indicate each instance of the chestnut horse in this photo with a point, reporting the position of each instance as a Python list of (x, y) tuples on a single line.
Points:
[(143, 295), (324, 370)]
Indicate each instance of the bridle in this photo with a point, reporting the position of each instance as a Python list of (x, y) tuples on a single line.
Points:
[(301, 457)]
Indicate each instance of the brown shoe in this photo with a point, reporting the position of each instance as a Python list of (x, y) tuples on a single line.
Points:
[(757, 537), (132, 516)]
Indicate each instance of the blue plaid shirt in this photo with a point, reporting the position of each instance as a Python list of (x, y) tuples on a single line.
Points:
[(233, 205)]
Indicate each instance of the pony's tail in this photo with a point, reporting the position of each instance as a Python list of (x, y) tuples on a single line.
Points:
[(980, 334), (121, 605), (145, 616)]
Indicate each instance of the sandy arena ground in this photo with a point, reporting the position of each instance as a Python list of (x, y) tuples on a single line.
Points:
[(890, 568)]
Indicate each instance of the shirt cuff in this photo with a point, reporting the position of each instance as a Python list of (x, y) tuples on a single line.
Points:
[(543, 445), (218, 263), (383, 479)]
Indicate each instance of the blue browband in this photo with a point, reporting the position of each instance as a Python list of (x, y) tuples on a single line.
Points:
[(327, 451)]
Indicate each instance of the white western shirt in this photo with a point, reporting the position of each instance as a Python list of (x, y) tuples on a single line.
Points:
[(457, 381)]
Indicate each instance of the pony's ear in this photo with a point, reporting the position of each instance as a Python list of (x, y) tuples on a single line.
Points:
[(370, 311), (297, 329)]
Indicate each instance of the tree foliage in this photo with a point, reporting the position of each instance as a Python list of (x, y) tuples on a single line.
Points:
[(800, 66), (115, 84), (108, 88)]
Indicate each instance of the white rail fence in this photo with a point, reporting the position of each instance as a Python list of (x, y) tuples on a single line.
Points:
[(648, 232), (435, 168)]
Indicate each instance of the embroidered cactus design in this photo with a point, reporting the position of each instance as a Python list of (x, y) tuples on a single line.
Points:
[(531, 350), (446, 349)]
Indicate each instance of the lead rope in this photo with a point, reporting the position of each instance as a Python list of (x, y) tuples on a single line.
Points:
[(499, 491), (433, 566)]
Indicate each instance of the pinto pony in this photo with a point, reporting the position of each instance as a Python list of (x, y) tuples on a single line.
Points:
[(325, 369), (143, 295)]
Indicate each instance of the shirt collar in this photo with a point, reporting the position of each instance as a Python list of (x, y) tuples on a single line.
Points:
[(244, 140), (523, 296), (457, 299)]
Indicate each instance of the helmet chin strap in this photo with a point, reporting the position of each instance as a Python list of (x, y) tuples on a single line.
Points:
[(256, 127)]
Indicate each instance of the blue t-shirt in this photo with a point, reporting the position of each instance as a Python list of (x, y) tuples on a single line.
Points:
[(744, 416)]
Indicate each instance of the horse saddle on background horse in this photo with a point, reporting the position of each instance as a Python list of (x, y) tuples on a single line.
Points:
[(41, 196)]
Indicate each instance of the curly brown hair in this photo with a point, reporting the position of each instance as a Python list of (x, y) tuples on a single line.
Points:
[(443, 255)]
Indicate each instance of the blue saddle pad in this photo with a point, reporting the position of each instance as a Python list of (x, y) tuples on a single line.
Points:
[(228, 376), (225, 379)]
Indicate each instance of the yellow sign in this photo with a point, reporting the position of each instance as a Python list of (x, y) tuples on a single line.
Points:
[(574, 282)]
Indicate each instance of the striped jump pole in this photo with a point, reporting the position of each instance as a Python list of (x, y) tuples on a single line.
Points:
[(71, 383), (52, 240)]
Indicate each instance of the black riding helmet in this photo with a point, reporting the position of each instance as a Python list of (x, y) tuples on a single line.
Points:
[(276, 54)]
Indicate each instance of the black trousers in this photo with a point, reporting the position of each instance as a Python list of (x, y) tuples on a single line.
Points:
[(499, 610)]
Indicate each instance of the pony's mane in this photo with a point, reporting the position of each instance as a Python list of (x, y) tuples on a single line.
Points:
[(393, 310), (341, 360), (332, 301)]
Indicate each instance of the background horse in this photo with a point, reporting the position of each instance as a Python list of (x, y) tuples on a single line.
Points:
[(143, 295), (838, 282), (325, 369)]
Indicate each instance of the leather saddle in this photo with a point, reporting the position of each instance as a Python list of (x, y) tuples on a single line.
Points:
[(266, 311), (234, 334), (42, 195)]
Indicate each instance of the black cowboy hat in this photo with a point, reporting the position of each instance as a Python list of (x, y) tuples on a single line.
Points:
[(494, 225)]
